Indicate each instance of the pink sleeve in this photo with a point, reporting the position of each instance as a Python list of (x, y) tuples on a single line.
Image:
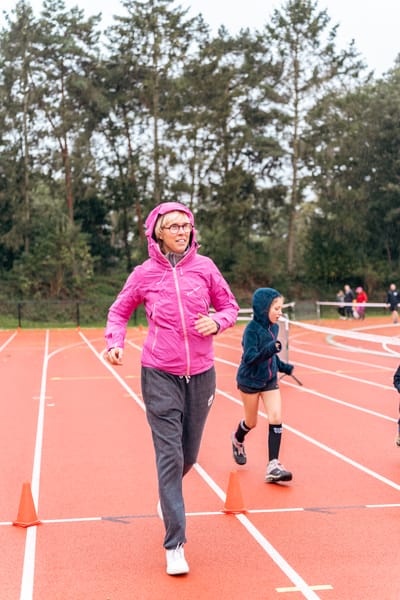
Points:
[(121, 311)]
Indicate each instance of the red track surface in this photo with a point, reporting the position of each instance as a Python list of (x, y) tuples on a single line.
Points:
[(76, 430)]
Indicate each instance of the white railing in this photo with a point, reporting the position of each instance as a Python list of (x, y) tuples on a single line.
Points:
[(352, 304), (246, 314)]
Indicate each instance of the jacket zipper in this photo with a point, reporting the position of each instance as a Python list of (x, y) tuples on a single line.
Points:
[(270, 359), (155, 331), (185, 337)]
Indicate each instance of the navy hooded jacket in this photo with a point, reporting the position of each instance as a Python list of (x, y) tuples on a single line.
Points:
[(260, 362)]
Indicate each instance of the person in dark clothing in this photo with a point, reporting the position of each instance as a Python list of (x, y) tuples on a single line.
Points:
[(341, 309), (349, 296), (392, 301), (396, 383), (257, 379)]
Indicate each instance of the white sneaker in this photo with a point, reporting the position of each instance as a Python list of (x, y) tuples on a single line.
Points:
[(277, 472), (176, 562)]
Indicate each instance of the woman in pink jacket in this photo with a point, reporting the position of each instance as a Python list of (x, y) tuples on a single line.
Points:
[(177, 287)]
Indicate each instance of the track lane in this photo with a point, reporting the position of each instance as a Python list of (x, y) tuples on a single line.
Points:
[(321, 523), (21, 362)]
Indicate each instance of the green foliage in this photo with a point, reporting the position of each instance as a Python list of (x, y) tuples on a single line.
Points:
[(288, 157), (59, 263), (354, 232)]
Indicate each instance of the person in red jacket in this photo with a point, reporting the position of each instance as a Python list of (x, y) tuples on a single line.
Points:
[(361, 298), (177, 287)]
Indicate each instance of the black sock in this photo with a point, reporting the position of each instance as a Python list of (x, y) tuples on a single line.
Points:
[(274, 440), (242, 431)]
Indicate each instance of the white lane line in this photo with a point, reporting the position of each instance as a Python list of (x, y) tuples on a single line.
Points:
[(320, 394), (10, 339), (342, 402), (324, 447), (261, 540), (214, 513), (254, 532), (355, 334), (346, 359), (327, 371), (30, 542), (344, 376), (112, 370), (312, 587)]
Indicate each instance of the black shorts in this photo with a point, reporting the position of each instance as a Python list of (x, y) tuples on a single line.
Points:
[(270, 385)]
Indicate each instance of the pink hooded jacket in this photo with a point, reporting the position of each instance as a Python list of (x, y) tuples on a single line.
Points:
[(173, 297)]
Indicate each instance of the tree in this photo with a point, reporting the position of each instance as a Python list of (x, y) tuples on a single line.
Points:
[(66, 52), (60, 249), (311, 65), (223, 127), (17, 117), (147, 47), (355, 164), (153, 42)]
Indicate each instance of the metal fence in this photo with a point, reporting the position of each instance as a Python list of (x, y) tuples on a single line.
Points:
[(76, 313), (57, 313)]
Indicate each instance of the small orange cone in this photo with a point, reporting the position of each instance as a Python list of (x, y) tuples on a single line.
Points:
[(26, 513), (234, 501)]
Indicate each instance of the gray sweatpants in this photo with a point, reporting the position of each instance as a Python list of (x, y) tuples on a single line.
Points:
[(176, 409)]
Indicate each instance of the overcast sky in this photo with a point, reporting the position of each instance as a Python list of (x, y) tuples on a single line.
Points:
[(373, 24)]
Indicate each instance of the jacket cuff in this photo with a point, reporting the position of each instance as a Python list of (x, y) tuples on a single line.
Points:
[(218, 327)]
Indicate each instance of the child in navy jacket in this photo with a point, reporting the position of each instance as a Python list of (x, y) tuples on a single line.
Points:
[(257, 379)]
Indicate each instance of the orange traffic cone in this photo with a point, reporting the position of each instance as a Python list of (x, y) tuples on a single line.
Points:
[(26, 513), (234, 501)]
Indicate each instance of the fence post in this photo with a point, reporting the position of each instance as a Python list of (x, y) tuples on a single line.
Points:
[(19, 308), (78, 319)]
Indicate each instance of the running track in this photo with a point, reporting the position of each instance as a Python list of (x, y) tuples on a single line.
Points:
[(75, 428)]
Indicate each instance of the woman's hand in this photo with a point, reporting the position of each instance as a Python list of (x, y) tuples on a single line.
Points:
[(205, 325), (114, 355)]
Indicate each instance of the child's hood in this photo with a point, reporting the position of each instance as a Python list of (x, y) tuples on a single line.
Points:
[(262, 300)]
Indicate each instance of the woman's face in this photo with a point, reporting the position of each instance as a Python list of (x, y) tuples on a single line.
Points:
[(275, 310), (176, 242)]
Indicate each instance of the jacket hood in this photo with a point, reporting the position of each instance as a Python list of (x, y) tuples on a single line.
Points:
[(162, 209), (262, 300)]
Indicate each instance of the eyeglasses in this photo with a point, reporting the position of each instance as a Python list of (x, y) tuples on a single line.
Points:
[(175, 227)]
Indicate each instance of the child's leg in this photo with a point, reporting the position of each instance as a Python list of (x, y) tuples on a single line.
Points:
[(272, 403), (275, 471), (241, 431), (250, 404)]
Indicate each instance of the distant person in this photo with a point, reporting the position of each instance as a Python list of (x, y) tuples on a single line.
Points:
[(349, 296), (392, 301), (396, 383), (177, 286), (341, 309), (361, 299), (257, 379)]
